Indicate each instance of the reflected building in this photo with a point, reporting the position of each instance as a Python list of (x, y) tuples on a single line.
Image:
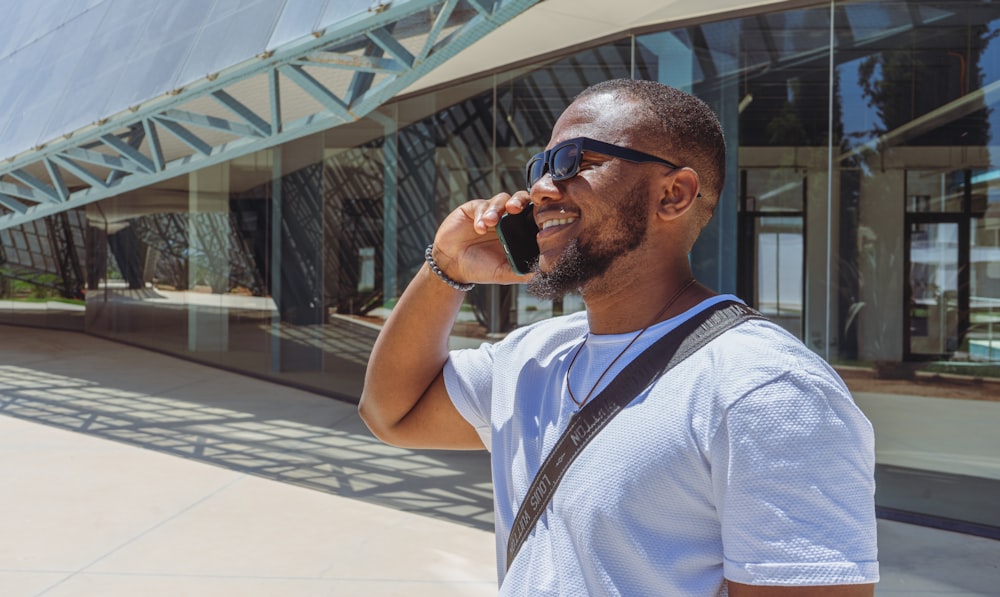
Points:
[(264, 218)]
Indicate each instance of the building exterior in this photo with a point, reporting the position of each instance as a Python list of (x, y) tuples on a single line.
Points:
[(252, 186)]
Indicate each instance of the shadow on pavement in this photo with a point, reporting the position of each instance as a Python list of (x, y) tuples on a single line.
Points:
[(88, 385)]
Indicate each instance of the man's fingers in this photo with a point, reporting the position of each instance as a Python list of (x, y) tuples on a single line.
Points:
[(489, 218), (488, 214), (517, 202)]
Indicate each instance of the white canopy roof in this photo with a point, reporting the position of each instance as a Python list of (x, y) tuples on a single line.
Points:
[(65, 64)]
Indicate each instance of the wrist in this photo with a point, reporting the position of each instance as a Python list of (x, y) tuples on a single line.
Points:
[(432, 264)]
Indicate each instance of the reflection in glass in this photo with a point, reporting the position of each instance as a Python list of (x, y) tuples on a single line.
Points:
[(933, 282), (934, 191), (774, 255), (984, 317), (912, 139), (780, 260), (42, 272)]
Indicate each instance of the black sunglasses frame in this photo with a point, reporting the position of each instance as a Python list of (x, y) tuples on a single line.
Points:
[(583, 144)]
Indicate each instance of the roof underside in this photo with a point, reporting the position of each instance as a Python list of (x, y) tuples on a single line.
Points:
[(103, 97)]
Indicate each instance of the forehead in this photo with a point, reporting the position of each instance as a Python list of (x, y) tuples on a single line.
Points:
[(605, 117)]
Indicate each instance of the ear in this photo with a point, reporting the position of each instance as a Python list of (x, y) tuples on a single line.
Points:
[(679, 191)]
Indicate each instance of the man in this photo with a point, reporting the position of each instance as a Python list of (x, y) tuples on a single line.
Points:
[(746, 469)]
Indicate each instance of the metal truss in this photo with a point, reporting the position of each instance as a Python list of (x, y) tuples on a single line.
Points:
[(338, 76)]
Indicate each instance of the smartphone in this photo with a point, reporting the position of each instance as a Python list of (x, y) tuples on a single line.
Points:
[(517, 235)]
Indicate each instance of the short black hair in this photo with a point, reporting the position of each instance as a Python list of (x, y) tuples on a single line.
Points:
[(686, 129)]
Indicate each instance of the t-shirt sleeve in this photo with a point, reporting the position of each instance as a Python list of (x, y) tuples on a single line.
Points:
[(793, 476), (468, 377)]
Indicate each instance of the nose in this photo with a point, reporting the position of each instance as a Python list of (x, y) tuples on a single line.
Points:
[(545, 189)]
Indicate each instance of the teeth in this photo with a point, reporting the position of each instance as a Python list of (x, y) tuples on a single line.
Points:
[(557, 222)]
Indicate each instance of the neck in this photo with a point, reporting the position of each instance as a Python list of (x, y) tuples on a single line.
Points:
[(637, 305)]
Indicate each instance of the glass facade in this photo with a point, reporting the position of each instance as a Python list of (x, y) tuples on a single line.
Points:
[(861, 212)]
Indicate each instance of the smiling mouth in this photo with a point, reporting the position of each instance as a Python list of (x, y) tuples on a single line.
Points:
[(557, 222)]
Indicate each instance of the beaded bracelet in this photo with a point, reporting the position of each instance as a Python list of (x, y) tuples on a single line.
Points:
[(429, 258)]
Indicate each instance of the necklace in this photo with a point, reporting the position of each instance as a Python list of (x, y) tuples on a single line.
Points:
[(569, 387)]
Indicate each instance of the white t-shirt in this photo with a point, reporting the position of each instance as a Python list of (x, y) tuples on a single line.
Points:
[(748, 460)]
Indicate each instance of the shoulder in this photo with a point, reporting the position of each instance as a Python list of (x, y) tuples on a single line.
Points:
[(764, 348), (759, 357), (777, 383), (757, 342)]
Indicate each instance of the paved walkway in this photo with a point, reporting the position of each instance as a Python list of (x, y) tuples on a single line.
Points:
[(127, 472)]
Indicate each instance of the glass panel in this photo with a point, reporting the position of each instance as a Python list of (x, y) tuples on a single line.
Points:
[(183, 267), (42, 272), (353, 212), (876, 19), (229, 36), (667, 56), (32, 110), (934, 191), (984, 287), (78, 62), (933, 288), (775, 190), (339, 10), (300, 18), (798, 33), (782, 100), (914, 123), (733, 45), (914, 119), (779, 281)]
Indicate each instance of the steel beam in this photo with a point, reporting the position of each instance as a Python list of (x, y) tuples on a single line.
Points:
[(13, 204), (58, 183), (259, 126), (36, 184), (333, 104), (129, 152), (368, 64), (22, 192)]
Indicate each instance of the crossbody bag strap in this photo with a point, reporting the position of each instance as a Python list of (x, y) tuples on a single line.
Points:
[(653, 362)]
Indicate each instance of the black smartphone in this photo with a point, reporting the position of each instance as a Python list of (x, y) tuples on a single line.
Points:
[(517, 235)]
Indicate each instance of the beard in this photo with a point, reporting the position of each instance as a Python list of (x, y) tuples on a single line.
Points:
[(587, 259)]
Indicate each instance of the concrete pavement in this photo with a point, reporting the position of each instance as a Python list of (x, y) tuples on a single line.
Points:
[(127, 472)]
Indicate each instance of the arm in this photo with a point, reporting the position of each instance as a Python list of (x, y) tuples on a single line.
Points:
[(795, 486), (740, 590), (404, 401)]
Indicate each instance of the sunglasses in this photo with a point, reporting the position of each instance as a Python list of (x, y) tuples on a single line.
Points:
[(562, 162)]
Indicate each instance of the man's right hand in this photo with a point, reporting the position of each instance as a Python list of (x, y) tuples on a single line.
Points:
[(466, 246)]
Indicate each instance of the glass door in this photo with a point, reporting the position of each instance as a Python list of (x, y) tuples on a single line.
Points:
[(984, 287), (772, 244), (944, 223), (933, 287)]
